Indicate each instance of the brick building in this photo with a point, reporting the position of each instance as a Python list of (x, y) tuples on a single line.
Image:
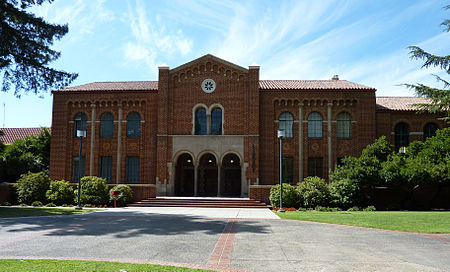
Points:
[(209, 128)]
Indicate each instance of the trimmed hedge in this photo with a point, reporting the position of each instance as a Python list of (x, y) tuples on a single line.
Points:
[(125, 197), (60, 193), (290, 196), (313, 191), (32, 187), (94, 191)]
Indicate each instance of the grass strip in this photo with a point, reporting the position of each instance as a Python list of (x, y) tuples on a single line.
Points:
[(37, 211), (423, 222), (26, 265)]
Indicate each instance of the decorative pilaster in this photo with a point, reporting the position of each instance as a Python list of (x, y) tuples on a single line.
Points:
[(195, 178), (300, 142), (330, 157), (219, 170), (91, 156), (119, 145)]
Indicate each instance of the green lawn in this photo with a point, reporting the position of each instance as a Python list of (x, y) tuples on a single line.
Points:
[(85, 266), (37, 211), (428, 222)]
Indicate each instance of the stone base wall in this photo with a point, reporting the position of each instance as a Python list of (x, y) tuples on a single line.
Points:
[(260, 193)]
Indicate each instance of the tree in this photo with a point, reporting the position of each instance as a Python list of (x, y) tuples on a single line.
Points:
[(23, 156), (25, 51), (439, 98)]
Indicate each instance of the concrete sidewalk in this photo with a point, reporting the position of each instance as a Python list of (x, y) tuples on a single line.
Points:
[(226, 213)]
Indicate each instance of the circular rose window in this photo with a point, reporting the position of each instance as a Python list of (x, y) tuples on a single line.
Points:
[(208, 85)]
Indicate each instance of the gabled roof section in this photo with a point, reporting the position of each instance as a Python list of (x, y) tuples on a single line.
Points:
[(400, 103), (289, 85), (209, 57), (114, 86), (12, 134)]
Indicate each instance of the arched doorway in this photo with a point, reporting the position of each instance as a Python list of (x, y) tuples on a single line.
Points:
[(184, 176), (231, 169), (207, 176)]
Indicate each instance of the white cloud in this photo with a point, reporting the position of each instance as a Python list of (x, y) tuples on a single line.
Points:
[(152, 37)]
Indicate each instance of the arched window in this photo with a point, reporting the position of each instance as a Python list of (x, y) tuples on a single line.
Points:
[(134, 125), (344, 125), (429, 130), (80, 123), (216, 121), (200, 122), (286, 123), (314, 125), (106, 125), (401, 132)]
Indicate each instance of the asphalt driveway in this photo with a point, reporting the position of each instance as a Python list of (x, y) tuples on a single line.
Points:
[(222, 241)]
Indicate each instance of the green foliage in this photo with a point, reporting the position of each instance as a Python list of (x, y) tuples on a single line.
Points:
[(6, 204), (25, 50), (125, 197), (94, 191), (369, 209), (51, 204), (439, 98), (313, 191), (290, 196), (353, 182), (32, 187), (60, 192), (37, 204), (354, 209), (23, 156)]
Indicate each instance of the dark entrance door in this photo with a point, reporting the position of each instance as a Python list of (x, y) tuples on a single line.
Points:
[(184, 176), (231, 183), (207, 176)]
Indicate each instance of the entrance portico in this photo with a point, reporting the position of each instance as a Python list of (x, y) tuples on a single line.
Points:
[(207, 166)]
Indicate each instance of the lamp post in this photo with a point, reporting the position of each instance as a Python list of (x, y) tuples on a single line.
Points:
[(281, 136), (81, 133)]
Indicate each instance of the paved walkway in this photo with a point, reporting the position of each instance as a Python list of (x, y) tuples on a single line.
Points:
[(233, 240)]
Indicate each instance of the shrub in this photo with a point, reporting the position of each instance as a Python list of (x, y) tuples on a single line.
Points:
[(94, 191), (353, 209), (125, 197), (290, 196), (313, 191), (51, 204), (66, 205), (344, 193), (37, 204), (60, 192), (370, 209), (5, 204), (32, 187)]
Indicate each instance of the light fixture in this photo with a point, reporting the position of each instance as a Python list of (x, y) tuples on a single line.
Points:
[(188, 160), (231, 161), (210, 161)]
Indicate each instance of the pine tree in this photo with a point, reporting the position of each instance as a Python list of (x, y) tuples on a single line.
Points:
[(439, 98), (25, 52)]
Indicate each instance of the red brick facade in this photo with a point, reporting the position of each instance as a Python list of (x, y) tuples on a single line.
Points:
[(176, 161)]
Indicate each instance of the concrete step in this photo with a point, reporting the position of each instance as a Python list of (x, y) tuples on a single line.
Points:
[(208, 202)]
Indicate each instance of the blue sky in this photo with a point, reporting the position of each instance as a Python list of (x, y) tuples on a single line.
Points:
[(361, 41)]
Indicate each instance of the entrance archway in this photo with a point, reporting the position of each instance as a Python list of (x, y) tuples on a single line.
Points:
[(184, 176), (231, 181), (207, 176)]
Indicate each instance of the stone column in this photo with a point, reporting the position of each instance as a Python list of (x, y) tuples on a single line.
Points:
[(330, 157), (300, 142), (208, 123), (195, 178), (119, 145), (219, 168), (91, 156)]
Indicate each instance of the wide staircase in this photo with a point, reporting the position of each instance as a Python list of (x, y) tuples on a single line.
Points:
[(199, 202)]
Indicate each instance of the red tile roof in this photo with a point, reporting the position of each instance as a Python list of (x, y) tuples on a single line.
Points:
[(311, 85), (115, 86), (399, 103), (12, 134), (263, 85)]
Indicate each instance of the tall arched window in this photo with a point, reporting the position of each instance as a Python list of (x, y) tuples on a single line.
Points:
[(344, 125), (134, 125), (401, 132), (80, 123), (286, 123), (200, 122), (429, 130), (106, 125), (314, 125), (216, 121)]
